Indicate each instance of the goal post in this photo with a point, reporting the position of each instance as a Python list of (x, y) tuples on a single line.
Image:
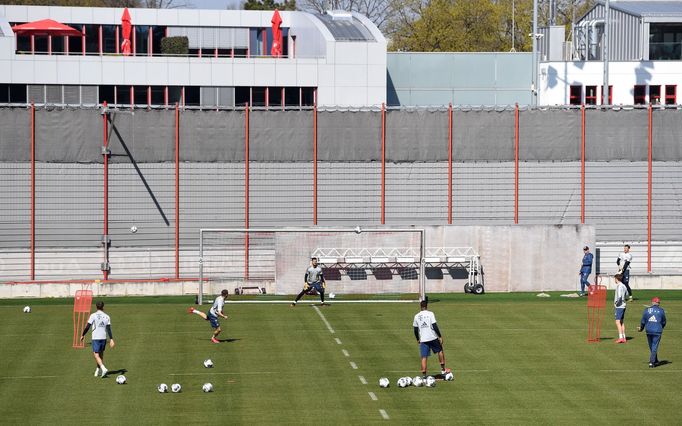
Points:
[(354, 259)]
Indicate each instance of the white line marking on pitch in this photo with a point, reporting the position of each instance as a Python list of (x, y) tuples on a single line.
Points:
[(27, 377), (345, 353), (329, 327), (362, 380), (338, 341), (222, 374), (384, 414), (371, 395), (353, 365)]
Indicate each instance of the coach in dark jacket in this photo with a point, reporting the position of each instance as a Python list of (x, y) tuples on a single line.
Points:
[(653, 321)]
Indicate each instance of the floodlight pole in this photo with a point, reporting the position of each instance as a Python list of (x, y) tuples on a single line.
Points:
[(357, 230), (534, 35), (605, 52)]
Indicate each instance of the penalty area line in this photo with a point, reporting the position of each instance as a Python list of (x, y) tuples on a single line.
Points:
[(223, 374), (324, 319), (27, 377)]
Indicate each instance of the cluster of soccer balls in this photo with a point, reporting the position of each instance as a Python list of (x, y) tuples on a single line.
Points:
[(176, 387), (417, 381)]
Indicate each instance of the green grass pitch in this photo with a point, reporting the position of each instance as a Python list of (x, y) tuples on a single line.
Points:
[(517, 359)]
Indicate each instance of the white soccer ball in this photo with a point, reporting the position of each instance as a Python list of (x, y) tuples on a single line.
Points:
[(27, 309), (332, 295), (207, 387), (408, 380), (175, 387), (417, 381), (449, 376), (402, 382), (358, 230), (121, 379), (133, 229), (383, 382), (208, 363), (430, 382), (163, 388)]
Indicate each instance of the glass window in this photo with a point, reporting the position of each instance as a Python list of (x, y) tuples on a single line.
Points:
[(640, 94), (4, 93), (255, 42), (285, 42), (123, 95), (141, 39), (17, 93), (576, 95), (174, 95), (258, 96), (92, 39), (192, 95), (109, 38), (242, 96), (665, 41), (158, 95), (655, 95), (275, 96), (24, 44), (670, 94), (76, 43), (308, 96), (591, 95), (106, 94), (292, 96), (158, 33), (140, 93), (240, 53), (41, 45), (57, 45)]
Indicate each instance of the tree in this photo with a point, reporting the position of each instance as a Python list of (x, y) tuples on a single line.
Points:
[(269, 5)]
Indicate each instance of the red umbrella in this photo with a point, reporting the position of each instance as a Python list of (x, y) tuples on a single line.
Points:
[(126, 26), (45, 27), (276, 35)]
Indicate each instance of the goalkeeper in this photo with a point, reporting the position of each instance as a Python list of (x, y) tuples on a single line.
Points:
[(314, 279)]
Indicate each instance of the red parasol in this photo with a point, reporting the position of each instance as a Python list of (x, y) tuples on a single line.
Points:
[(126, 26), (276, 35), (45, 27)]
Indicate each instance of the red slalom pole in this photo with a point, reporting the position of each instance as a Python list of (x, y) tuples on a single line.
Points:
[(33, 191), (450, 164)]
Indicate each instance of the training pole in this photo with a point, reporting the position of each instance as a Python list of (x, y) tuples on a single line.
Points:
[(596, 302), (81, 312)]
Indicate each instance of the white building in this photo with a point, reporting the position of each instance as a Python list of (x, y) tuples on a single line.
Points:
[(337, 59), (644, 56)]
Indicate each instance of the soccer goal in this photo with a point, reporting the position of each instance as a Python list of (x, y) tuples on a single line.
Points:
[(355, 261)]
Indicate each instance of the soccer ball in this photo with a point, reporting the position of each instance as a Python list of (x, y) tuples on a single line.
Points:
[(408, 380), (27, 309), (430, 382), (402, 382), (175, 387), (207, 387), (208, 363), (133, 229), (162, 388), (383, 382), (332, 295), (121, 379), (449, 376), (417, 381)]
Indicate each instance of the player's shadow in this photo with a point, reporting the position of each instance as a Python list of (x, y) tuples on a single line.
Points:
[(228, 340), (663, 362), (119, 371)]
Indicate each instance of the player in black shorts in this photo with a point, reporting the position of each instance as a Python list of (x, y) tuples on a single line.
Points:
[(314, 278)]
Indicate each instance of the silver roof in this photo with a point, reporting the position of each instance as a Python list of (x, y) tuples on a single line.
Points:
[(346, 29), (649, 8)]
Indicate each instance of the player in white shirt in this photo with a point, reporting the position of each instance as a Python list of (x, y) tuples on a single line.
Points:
[(619, 305), (428, 337), (213, 314), (623, 262), (101, 327)]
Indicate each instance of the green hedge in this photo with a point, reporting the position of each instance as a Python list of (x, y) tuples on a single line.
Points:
[(175, 45)]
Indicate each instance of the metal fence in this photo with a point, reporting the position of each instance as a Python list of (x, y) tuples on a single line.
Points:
[(74, 183)]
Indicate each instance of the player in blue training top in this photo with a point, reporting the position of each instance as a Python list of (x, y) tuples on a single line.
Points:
[(428, 337), (585, 269), (213, 314), (101, 327), (314, 278), (653, 321)]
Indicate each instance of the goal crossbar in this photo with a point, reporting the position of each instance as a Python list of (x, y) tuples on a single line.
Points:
[(316, 229)]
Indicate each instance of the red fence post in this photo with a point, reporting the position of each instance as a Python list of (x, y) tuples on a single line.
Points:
[(383, 163), (649, 191), (315, 164), (105, 153), (33, 191), (450, 164), (177, 190), (582, 164), (246, 193), (516, 163)]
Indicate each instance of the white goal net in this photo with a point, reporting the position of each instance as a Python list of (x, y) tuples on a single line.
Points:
[(274, 260)]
